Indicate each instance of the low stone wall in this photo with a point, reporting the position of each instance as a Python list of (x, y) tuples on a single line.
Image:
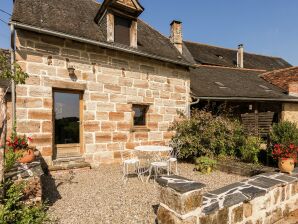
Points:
[(31, 175), (262, 199)]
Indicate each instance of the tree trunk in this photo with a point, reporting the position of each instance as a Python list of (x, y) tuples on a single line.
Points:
[(3, 127)]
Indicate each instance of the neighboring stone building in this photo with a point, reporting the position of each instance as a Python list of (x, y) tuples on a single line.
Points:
[(287, 80), (101, 80), (232, 78)]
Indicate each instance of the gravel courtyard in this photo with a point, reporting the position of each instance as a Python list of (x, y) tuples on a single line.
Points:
[(99, 195)]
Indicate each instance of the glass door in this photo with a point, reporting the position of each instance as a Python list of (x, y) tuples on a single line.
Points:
[(67, 112)]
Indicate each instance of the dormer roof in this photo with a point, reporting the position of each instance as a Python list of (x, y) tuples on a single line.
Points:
[(129, 8)]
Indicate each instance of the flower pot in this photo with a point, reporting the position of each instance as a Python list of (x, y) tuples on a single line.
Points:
[(27, 156), (286, 165)]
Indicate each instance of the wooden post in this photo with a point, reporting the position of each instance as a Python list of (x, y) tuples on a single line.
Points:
[(3, 127)]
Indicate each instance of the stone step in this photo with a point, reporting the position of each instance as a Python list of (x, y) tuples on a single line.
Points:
[(68, 160), (69, 163)]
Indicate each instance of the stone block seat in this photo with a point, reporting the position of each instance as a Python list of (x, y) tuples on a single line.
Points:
[(264, 198), (68, 163)]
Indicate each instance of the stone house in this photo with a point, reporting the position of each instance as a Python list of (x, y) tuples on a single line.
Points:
[(101, 80)]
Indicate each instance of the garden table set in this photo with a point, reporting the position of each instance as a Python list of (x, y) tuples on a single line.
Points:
[(149, 159)]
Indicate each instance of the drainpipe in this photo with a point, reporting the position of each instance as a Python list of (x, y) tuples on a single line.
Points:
[(189, 107), (13, 86)]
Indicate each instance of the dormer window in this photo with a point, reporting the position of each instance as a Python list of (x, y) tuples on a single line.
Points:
[(122, 29), (121, 20)]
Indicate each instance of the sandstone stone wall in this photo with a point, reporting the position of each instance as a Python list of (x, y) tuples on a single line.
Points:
[(290, 112), (110, 82), (262, 199)]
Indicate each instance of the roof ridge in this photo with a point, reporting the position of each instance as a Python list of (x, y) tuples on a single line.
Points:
[(162, 35), (96, 2), (234, 68), (280, 70), (232, 49), (153, 28)]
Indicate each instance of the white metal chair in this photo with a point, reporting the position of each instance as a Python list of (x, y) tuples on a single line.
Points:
[(129, 158), (174, 155), (173, 160), (161, 162)]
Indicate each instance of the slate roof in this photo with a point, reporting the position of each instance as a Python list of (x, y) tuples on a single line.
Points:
[(282, 77), (219, 82), (211, 55), (76, 17)]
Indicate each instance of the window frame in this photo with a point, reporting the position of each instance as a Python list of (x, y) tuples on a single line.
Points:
[(146, 107)]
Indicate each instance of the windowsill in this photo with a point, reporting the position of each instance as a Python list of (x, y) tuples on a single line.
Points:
[(139, 129)]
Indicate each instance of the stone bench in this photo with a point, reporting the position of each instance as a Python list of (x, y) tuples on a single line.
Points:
[(264, 198)]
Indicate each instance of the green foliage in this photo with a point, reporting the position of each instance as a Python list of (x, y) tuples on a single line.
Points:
[(11, 158), (205, 164), (249, 151), (205, 135), (284, 133), (14, 210), (5, 71)]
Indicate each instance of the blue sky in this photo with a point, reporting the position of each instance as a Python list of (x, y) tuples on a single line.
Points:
[(267, 27)]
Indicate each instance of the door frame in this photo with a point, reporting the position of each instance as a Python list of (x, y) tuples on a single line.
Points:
[(81, 114)]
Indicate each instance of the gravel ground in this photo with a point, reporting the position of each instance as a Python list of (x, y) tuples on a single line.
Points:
[(99, 196)]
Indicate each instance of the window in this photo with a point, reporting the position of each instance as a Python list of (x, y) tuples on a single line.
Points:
[(67, 117), (122, 30), (140, 111)]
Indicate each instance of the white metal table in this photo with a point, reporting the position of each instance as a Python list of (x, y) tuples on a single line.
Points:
[(149, 152), (153, 148)]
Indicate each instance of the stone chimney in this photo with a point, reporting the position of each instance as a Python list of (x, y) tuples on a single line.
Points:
[(176, 35), (240, 56), (293, 89)]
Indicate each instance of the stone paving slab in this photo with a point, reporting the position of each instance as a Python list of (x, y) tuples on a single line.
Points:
[(246, 190), (252, 192), (227, 188), (265, 182), (286, 178), (180, 184)]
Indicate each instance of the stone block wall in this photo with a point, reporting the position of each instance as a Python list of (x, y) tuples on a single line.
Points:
[(262, 199), (111, 81), (31, 176), (290, 112)]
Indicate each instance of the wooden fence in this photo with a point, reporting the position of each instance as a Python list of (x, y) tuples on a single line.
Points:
[(257, 124)]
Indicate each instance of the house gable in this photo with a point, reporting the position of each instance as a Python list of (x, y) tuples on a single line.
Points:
[(132, 4)]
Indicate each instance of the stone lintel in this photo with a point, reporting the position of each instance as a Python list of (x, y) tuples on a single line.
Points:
[(65, 85)]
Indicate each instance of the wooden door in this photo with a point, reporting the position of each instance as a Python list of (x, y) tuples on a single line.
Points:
[(67, 123)]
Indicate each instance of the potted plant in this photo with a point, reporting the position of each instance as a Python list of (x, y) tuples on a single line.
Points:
[(205, 164), (20, 144), (286, 156)]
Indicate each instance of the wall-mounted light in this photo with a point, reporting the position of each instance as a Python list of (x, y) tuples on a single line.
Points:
[(71, 70)]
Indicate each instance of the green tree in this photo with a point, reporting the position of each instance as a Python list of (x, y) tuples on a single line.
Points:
[(18, 76)]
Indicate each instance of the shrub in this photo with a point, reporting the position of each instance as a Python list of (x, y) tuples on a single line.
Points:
[(249, 151), (284, 133), (205, 164), (14, 210), (205, 135), (11, 158)]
